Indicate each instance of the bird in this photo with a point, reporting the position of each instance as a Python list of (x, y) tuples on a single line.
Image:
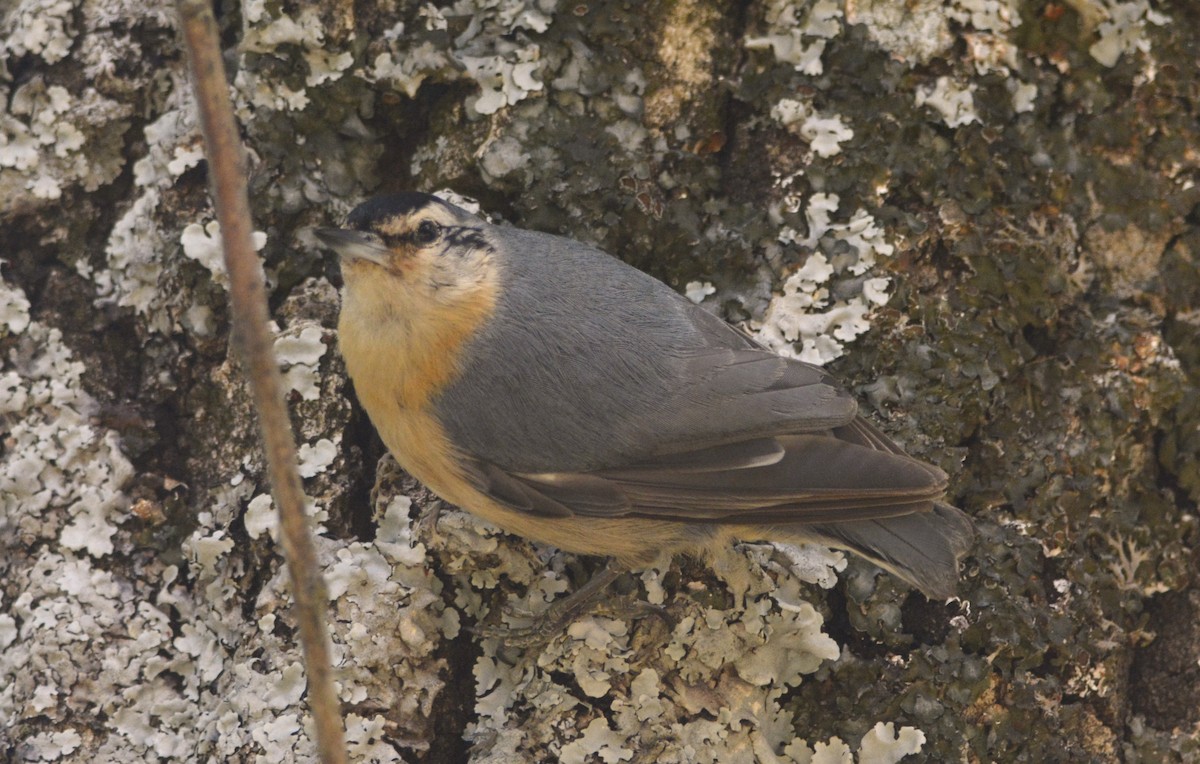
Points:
[(567, 397)]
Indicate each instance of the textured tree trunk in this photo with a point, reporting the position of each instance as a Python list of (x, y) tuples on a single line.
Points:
[(984, 216)]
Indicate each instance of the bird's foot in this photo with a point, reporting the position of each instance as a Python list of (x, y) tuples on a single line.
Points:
[(562, 612), (387, 474), (427, 525)]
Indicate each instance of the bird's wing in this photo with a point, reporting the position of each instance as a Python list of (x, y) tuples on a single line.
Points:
[(740, 435), (589, 363), (724, 396), (579, 414), (810, 477)]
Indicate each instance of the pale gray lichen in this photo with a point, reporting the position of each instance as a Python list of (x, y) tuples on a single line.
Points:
[(697, 291), (316, 457), (202, 243), (299, 349), (990, 24), (134, 270), (42, 28), (824, 133), (260, 516), (137, 272), (267, 28), (14, 310), (881, 745), (54, 138), (61, 480), (806, 312), (61, 475), (1024, 96), (198, 696), (799, 40), (48, 141), (1123, 29), (916, 32), (173, 143), (493, 51), (709, 690), (953, 101)]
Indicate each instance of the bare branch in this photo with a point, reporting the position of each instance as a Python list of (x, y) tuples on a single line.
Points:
[(249, 316)]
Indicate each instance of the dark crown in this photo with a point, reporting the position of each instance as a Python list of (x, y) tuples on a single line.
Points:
[(386, 206)]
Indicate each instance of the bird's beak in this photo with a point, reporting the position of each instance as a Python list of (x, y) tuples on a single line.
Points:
[(354, 245)]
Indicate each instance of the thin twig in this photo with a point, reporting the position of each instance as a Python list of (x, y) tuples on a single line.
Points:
[(249, 316)]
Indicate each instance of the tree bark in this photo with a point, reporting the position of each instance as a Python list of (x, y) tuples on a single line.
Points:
[(982, 216)]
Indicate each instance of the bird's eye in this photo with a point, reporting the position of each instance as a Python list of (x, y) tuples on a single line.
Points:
[(427, 232)]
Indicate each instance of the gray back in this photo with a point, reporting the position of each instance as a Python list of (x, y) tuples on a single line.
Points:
[(578, 363)]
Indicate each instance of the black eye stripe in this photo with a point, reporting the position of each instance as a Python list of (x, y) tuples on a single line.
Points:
[(462, 236), (451, 236)]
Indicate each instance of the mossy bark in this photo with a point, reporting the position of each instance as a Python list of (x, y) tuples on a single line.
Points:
[(1041, 343)]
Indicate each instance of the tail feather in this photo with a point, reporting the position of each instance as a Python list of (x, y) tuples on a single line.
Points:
[(923, 548)]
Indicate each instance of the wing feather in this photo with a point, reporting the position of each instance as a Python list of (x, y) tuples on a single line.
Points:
[(789, 479)]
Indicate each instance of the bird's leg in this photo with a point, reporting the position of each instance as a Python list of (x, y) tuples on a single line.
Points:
[(388, 473), (554, 619), (427, 524)]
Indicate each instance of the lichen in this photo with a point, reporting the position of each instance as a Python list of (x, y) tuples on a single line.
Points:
[(795, 40), (824, 133), (805, 313), (1123, 30), (61, 476), (734, 662), (202, 243), (493, 52), (964, 202), (954, 102)]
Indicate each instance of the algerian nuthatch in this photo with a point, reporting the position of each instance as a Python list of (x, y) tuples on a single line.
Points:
[(567, 397)]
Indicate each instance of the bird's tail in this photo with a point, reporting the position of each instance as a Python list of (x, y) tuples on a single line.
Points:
[(923, 548)]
